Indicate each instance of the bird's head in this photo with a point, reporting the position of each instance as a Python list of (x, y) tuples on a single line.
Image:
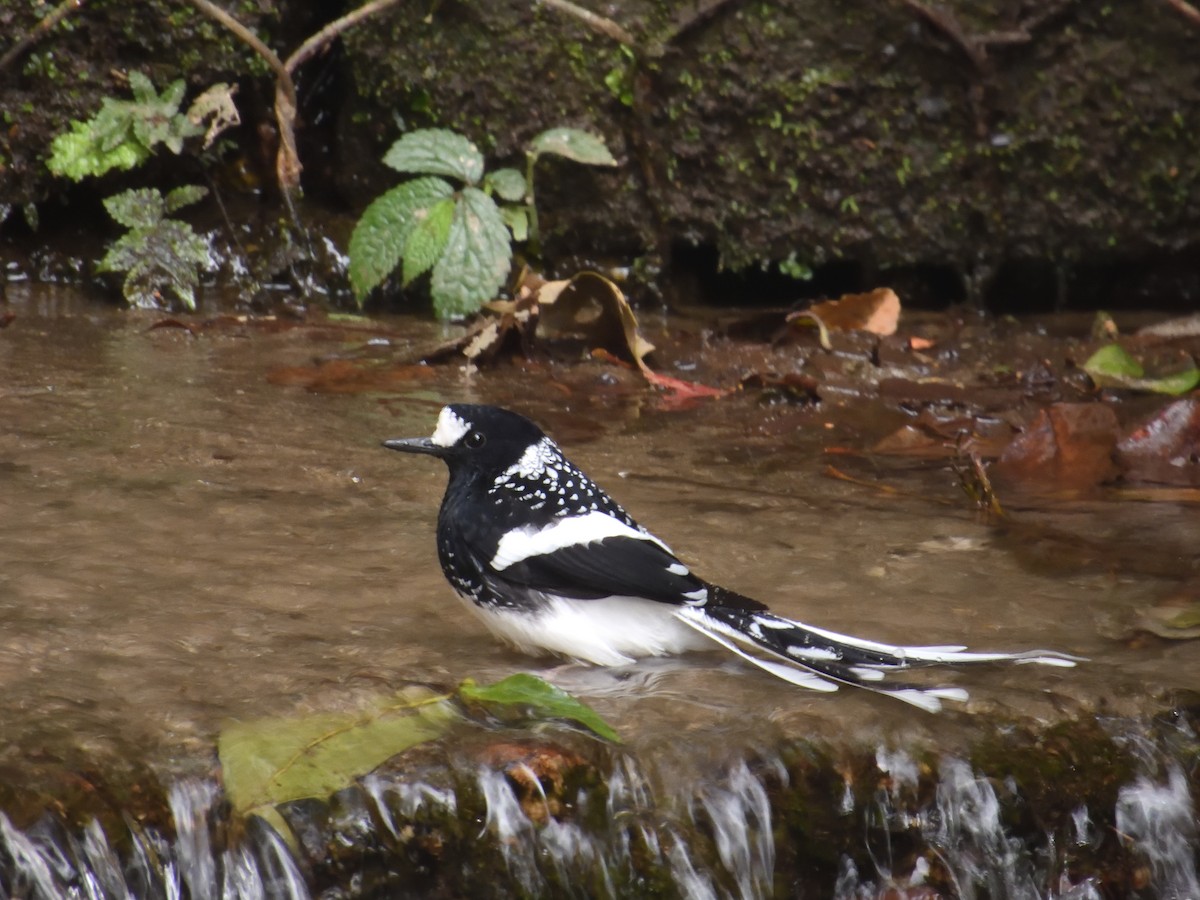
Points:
[(477, 439)]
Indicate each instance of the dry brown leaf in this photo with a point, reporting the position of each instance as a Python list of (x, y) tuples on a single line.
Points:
[(877, 312)]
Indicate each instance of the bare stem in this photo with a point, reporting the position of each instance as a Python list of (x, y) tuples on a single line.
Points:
[(596, 22), (1184, 8)]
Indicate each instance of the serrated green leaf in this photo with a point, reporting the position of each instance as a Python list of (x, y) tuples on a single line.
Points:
[(436, 151), (77, 154), (427, 240), (517, 220), (377, 244), (542, 697), (137, 208), (112, 125), (476, 259), (271, 761), (172, 96), (574, 144), (185, 196), (142, 87), (508, 184)]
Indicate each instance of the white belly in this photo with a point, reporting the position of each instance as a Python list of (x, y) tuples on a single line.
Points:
[(610, 632)]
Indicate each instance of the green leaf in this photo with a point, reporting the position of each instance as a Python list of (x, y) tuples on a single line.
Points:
[(377, 244), (185, 196), (1113, 361), (508, 184), (1112, 366), (172, 95), (77, 154), (436, 151), (517, 220), (476, 259), (427, 240), (136, 208), (142, 87), (542, 698), (270, 761), (574, 144)]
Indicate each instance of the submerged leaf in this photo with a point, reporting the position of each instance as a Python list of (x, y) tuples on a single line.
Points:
[(542, 698), (271, 761), (574, 144), (436, 151), (476, 258)]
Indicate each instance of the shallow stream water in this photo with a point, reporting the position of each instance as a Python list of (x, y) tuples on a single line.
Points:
[(183, 542)]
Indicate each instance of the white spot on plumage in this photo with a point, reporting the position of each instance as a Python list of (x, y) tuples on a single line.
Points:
[(700, 595), (520, 544), (450, 428), (538, 461), (676, 568)]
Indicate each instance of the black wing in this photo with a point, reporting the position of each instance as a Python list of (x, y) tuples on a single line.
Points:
[(621, 567)]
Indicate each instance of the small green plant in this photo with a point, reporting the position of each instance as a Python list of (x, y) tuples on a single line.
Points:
[(158, 254), (461, 236), (123, 133)]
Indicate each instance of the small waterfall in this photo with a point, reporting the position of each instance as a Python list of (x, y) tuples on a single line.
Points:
[(46, 862), (539, 820), (1160, 820)]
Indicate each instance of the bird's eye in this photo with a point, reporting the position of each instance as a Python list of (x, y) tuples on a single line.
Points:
[(475, 440)]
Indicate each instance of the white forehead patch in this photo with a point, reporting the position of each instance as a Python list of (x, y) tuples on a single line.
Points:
[(450, 428)]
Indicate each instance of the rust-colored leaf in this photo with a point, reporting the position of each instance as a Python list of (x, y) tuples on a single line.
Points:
[(1068, 446), (1166, 448)]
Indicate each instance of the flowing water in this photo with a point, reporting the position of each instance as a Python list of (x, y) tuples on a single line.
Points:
[(184, 543)]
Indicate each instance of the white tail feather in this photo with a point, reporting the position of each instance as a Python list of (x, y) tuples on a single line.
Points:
[(716, 631), (928, 699), (931, 654)]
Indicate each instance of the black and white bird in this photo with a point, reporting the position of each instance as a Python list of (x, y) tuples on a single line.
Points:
[(551, 563)]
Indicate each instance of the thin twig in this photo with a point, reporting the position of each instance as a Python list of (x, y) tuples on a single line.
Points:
[(1186, 10), (317, 42), (287, 164), (596, 22), (947, 24), (39, 31), (287, 161)]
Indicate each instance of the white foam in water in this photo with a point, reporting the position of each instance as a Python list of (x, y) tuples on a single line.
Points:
[(740, 813), (190, 803), (692, 883), (31, 868), (970, 836), (1159, 819), (412, 796)]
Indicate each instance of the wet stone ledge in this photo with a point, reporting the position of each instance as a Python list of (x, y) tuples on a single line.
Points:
[(1086, 808)]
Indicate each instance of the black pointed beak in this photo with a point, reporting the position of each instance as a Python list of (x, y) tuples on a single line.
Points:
[(415, 445)]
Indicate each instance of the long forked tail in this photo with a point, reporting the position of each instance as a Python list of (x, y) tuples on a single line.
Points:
[(821, 660)]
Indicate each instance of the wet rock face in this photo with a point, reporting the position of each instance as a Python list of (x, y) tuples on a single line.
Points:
[(892, 135), (963, 136), (1089, 811)]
